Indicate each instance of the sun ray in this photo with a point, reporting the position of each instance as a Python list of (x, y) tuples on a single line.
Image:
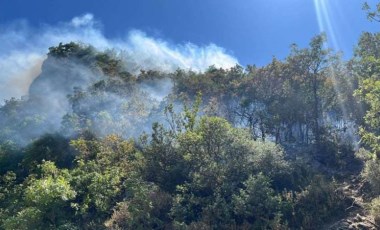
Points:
[(325, 22), (323, 12)]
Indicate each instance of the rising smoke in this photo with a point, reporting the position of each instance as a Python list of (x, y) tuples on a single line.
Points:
[(23, 49), (49, 82)]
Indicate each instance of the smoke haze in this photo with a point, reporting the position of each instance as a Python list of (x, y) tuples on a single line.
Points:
[(23, 49)]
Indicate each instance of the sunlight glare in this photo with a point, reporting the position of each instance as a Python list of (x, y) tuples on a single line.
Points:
[(323, 12), (325, 24)]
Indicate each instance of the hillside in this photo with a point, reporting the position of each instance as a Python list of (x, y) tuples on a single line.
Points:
[(97, 145)]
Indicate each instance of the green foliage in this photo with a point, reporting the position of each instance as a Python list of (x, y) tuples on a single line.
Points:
[(317, 203), (148, 209), (369, 92), (49, 147), (28, 218), (217, 164), (190, 115), (49, 191), (257, 202), (209, 175), (374, 209), (102, 176), (10, 157), (19, 122), (45, 201), (65, 50), (372, 14), (369, 89), (371, 173), (164, 164), (10, 196), (221, 158)]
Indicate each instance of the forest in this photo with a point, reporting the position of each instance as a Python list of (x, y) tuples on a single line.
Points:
[(294, 144)]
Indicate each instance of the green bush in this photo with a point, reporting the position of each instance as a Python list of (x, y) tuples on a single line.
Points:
[(317, 203), (257, 203), (371, 173), (374, 209)]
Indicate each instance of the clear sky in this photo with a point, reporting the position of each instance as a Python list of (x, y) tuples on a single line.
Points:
[(250, 30)]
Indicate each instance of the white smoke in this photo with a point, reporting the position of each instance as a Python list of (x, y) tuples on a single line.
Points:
[(23, 49), (85, 20)]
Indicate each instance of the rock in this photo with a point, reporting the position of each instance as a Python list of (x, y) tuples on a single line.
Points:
[(364, 226)]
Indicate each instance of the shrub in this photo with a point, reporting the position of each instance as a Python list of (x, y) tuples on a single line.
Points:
[(374, 209), (318, 202), (371, 173)]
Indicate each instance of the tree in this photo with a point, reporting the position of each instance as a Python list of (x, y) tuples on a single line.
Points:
[(372, 14), (46, 201), (220, 159), (368, 55), (49, 147), (257, 202), (103, 176), (312, 64)]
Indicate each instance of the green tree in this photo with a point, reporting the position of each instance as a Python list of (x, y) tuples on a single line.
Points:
[(46, 202), (49, 147), (372, 14), (312, 63), (368, 59), (220, 158), (257, 202)]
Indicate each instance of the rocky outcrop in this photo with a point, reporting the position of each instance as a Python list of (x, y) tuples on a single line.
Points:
[(356, 215)]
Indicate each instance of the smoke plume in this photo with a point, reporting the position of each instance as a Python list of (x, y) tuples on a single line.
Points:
[(23, 49)]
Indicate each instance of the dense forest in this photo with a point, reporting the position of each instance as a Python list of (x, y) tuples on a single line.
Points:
[(294, 144)]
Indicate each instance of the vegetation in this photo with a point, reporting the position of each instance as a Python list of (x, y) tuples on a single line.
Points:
[(98, 147)]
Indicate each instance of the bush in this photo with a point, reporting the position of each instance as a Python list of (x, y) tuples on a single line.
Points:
[(374, 209), (49, 147), (257, 203), (317, 203), (371, 173), (148, 209)]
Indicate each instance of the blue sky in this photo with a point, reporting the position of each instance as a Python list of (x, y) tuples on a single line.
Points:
[(251, 30)]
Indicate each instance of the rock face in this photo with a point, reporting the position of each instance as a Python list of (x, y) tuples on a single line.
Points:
[(67, 67), (357, 217), (60, 76), (355, 222)]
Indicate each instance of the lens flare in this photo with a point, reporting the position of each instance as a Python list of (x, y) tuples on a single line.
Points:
[(323, 12), (325, 22)]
